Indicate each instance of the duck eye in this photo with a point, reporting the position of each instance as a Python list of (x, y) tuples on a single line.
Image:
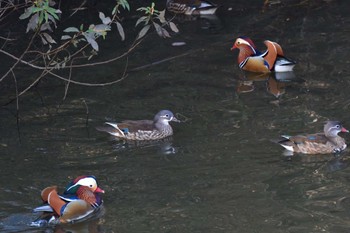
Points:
[(166, 115), (90, 185), (338, 126)]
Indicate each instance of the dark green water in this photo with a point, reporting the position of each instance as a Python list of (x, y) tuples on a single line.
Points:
[(220, 172)]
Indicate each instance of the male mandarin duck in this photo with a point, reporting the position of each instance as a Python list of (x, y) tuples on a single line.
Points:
[(140, 130), (80, 199), (320, 143), (250, 59), (191, 7)]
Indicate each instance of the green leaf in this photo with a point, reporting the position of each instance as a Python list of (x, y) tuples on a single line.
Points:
[(36, 9), (27, 12), (143, 31), (141, 19), (120, 30), (114, 10), (52, 12), (66, 37), (46, 15), (41, 17), (125, 4), (71, 29)]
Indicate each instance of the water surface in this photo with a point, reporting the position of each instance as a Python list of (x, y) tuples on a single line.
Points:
[(220, 172)]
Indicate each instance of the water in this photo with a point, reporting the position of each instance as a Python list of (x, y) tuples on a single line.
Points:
[(220, 172)]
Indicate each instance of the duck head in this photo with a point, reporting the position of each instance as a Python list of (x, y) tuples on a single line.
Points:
[(332, 128), (165, 116), (87, 181)]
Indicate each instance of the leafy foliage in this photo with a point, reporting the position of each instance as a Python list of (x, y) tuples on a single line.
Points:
[(76, 42), (156, 19)]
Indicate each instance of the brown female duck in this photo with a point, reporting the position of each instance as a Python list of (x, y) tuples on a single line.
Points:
[(319, 143)]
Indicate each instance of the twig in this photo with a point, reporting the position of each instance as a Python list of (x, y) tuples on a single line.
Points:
[(87, 112), (20, 58), (17, 106)]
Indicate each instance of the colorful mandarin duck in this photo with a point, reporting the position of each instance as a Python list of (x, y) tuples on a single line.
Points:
[(191, 7), (319, 143), (80, 199), (250, 59), (142, 129)]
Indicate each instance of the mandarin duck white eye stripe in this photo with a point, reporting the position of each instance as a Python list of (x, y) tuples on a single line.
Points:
[(251, 59), (140, 130), (80, 199), (320, 143)]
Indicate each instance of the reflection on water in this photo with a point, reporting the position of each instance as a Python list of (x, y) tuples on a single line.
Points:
[(219, 172), (275, 82), (163, 146)]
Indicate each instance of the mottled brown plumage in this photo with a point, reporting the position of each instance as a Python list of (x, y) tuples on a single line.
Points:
[(191, 7), (140, 130), (319, 143)]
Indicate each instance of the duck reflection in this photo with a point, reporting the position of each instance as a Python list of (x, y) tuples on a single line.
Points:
[(164, 146), (93, 226), (275, 82), (211, 23)]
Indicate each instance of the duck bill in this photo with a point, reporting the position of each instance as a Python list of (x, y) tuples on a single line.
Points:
[(344, 130), (233, 47), (99, 190), (175, 119)]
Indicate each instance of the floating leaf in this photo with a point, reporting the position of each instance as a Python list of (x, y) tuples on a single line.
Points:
[(71, 29), (173, 27), (120, 30), (143, 31)]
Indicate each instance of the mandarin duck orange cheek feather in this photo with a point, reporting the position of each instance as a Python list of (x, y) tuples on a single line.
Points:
[(320, 143), (81, 198), (251, 59)]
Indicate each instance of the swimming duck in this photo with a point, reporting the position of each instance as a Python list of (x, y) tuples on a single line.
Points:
[(250, 59), (155, 129), (191, 7), (319, 143), (80, 199)]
